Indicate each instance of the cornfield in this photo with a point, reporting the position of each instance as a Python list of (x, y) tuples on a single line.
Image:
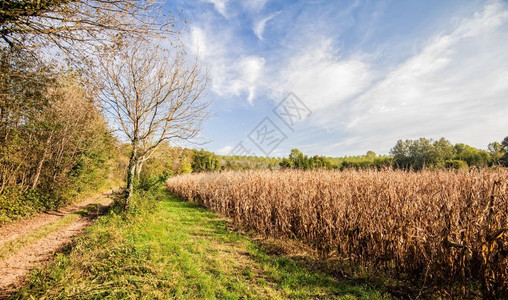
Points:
[(442, 228)]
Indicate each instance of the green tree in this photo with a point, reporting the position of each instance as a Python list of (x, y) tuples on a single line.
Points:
[(422, 153), (504, 159), (205, 161), (370, 155), (443, 151), (299, 160), (471, 155), (401, 154), (53, 141), (496, 152)]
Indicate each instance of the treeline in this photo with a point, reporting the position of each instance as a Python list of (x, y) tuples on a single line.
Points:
[(175, 160), (427, 153), (54, 143), (408, 154), (298, 160), (168, 161), (249, 163)]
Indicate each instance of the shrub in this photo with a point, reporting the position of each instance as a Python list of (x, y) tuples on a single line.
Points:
[(456, 164)]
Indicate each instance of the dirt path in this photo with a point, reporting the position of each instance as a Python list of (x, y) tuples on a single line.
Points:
[(16, 265)]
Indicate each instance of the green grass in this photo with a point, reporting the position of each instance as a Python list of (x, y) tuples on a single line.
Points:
[(172, 249)]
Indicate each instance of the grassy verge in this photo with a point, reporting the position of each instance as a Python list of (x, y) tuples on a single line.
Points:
[(173, 249)]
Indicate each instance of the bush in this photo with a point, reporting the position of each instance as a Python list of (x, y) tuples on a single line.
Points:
[(148, 181), (456, 164), (15, 204)]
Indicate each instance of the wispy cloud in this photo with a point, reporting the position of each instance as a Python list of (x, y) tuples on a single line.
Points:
[(250, 70), (254, 5), (220, 6), (318, 77), (229, 8), (232, 74), (259, 26)]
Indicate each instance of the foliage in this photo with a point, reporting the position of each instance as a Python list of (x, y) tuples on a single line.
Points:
[(204, 161), (415, 154), (298, 160), (167, 161), (496, 152), (15, 203), (426, 153), (438, 228), (499, 152), (421, 153), (368, 161), (456, 164), (76, 27), (54, 144), (235, 162), (472, 156)]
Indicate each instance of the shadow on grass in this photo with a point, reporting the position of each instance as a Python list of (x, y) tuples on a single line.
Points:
[(94, 210)]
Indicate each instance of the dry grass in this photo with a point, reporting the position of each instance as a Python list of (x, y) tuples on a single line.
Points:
[(440, 229)]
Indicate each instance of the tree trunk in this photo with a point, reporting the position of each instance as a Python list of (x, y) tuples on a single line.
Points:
[(131, 175), (4, 178), (41, 164), (139, 166)]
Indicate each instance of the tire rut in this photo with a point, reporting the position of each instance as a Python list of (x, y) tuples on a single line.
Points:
[(15, 267)]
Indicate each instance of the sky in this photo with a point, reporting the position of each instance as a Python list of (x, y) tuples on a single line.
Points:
[(340, 78)]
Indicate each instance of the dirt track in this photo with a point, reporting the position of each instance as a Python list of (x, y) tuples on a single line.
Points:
[(17, 265)]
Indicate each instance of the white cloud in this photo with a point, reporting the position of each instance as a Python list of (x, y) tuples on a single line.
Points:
[(321, 80), (224, 150), (198, 43), (241, 76), (455, 87), (232, 74), (249, 72), (220, 6), (254, 5), (259, 26)]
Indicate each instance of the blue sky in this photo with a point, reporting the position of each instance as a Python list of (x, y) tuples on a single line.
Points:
[(370, 72)]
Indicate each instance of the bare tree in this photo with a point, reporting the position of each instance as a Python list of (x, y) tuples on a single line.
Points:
[(153, 93), (64, 22), (75, 28)]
